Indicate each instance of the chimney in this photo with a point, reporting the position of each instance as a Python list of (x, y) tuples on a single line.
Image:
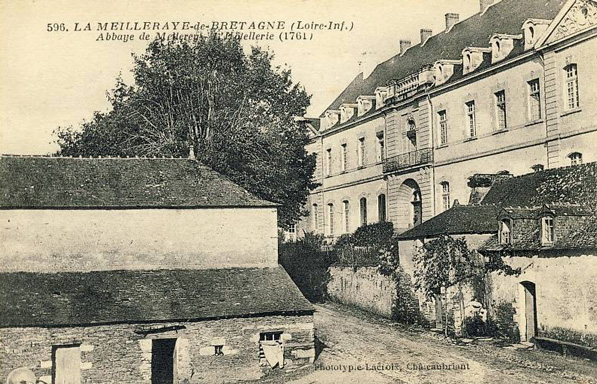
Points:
[(425, 34), (451, 19), (484, 4), (404, 45)]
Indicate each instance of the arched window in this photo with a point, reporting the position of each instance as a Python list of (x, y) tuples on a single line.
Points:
[(331, 218), (363, 204), (505, 234), (417, 212), (346, 209), (445, 195), (381, 207), (575, 158)]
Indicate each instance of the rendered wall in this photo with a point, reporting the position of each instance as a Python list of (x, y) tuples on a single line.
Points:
[(61, 240)]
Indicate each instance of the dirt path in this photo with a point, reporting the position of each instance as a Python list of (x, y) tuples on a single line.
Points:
[(360, 348)]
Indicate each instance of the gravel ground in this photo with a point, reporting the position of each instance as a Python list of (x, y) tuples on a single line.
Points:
[(356, 347)]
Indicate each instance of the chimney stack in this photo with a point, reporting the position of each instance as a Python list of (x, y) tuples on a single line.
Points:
[(484, 4), (425, 34), (451, 19), (404, 45)]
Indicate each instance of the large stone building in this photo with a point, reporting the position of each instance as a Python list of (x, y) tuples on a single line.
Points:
[(508, 89), (142, 271)]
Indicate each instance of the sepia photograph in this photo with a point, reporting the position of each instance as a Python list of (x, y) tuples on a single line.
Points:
[(298, 191)]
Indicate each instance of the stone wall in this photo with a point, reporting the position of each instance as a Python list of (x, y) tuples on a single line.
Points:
[(122, 353), (79, 240), (362, 287)]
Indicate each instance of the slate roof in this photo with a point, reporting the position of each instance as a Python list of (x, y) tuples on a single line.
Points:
[(567, 191), (574, 185), (506, 16), (111, 297), (58, 182), (460, 219)]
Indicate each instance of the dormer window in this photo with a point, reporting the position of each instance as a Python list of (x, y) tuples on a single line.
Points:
[(472, 58), (380, 96), (547, 230), (364, 104), (502, 45), (533, 29), (505, 233), (444, 69)]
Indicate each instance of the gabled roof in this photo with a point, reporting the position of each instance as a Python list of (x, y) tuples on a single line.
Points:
[(506, 16), (574, 185), (59, 182), (458, 220), (110, 297)]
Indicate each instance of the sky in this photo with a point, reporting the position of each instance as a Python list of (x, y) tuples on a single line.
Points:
[(59, 78)]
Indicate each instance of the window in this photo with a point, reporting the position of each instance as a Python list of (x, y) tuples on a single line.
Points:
[(537, 167), (270, 340), (472, 124), (575, 158), (343, 159), (66, 364), (291, 233), (381, 147), (534, 100), (547, 230), (572, 86), (500, 104), (329, 161), (417, 208), (363, 203), (381, 207), (361, 152), (315, 217), (346, 210), (445, 195), (505, 234), (218, 350), (270, 336), (443, 127), (331, 218)]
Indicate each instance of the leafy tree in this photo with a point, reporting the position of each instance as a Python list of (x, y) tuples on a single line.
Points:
[(233, 112), (446, 262)]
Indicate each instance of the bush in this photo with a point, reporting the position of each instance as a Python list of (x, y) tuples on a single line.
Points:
[(572, 336), (307, 263), (406, 308), (503, 324)]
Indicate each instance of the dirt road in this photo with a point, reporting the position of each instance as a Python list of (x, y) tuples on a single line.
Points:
[(360, 348)]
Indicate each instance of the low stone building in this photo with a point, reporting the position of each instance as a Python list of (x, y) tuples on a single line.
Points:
[(544, 224), (142, 271)]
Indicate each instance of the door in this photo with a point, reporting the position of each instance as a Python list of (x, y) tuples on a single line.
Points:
[(530, 310), (67, 365), (163, 354)]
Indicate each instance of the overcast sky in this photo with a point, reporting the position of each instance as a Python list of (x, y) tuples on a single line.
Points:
[(51, 79)]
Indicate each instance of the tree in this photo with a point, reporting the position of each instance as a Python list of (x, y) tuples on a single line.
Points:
[(446, 262), (233, 112)]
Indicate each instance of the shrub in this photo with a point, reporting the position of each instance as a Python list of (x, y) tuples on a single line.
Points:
[(572, 336), (406, 308), (503, 324), (307, 263)]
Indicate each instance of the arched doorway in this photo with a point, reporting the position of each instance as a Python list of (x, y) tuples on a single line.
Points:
[(528, 309), (410, 205)]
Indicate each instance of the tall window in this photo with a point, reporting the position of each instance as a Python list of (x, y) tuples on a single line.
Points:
[(472, 124), (417, 208), (315, 217), (500, 105), (361, 152), (505, 234), (381, 147), (534, 100), (363, 203), (343, 158), (547, 230), (381, 207), (575, 158), (346, 206), (572, 86), (329, 162), (331, 218), (443, 127), (445, 195)]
